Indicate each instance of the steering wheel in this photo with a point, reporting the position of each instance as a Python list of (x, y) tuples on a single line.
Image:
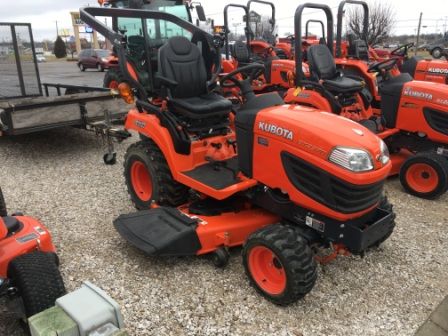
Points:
[(252, 71), (402, 50), (385, 65)]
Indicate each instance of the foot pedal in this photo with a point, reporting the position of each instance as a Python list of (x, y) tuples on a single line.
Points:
[(161, 231)]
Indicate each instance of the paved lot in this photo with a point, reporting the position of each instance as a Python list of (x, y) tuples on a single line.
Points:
[(63, 72), (59, 178)]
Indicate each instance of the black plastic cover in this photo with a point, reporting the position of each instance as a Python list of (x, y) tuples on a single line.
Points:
[(161, 231)]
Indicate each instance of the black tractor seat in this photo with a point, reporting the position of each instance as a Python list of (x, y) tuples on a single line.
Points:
[(242, 54), (359, 49), (343, 84), (181, 62), (206, 105), (323, 67)]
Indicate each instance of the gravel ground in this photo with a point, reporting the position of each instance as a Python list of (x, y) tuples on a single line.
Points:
[(59, 178)]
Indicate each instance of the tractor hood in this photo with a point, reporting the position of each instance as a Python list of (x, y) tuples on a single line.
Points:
[(315, 132), (430, 92)]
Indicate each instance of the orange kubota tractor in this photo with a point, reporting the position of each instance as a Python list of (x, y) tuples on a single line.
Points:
[(255, 49), (282, 182), (411, 117), (354, 55), (29, 275), (429, 70)]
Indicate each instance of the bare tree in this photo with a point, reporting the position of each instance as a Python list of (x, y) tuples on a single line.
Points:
[(381, 21)]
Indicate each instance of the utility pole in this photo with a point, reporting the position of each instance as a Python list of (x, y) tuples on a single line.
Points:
[(418, 32), (57, 29)]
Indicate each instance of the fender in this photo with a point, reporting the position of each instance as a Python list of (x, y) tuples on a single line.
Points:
[(308, 98)]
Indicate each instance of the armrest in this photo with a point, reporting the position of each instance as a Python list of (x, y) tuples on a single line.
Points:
[(171, 83)]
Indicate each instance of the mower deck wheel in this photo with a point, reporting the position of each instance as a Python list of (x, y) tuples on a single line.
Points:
[(37, 279), (279, 264), (148, 177), (221, 257), (425, 175), (110, 158)]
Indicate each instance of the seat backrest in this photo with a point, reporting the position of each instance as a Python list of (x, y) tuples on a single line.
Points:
[(359, 49), (321, 62), (181, 61), (241, 52)]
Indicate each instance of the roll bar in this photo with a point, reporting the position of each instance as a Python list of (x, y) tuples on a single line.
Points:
[(272, 22), (341, 17), (298, 35), (226, 25), (315, 21)]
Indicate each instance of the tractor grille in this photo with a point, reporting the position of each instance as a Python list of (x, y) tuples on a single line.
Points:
[(329, 190), (438, 120)]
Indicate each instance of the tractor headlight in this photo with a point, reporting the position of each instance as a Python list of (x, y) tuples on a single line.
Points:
[(384, 156), (353, 159)]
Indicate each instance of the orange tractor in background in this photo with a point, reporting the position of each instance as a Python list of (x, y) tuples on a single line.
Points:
[(255, 50), (410, 116), (29, 276), (351, 54)]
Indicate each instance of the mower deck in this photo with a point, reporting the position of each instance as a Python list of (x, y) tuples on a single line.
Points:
[(166, 231)]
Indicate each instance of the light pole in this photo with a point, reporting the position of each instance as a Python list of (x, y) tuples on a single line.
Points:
[(57, 29)]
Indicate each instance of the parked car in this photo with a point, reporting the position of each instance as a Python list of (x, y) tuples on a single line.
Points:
[(99, 59), (40, 58), (436, 48)]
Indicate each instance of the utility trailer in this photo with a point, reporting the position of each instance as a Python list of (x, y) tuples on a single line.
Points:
[(27, 105)]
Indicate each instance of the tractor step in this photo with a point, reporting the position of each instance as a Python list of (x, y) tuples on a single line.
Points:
[(160, 231), (217, 175)]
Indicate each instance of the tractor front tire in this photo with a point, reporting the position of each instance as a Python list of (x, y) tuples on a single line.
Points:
[(37, 279), (148, 177), (425, 175), (279, 264)]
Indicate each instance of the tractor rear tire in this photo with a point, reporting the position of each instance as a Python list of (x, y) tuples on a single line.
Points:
[(425, 175), (3, 212), (280, 264), (37, 279), (113, 78), (148, 177)]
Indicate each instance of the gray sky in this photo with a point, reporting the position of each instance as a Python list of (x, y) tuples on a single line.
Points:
[(43, 13)]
